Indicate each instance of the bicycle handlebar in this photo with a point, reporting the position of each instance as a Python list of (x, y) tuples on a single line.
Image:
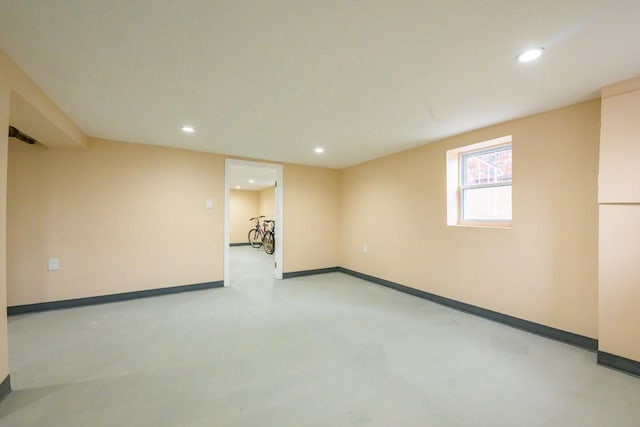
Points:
[(258, 217)]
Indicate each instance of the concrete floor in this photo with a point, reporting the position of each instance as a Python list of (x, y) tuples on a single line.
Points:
[(327, 350)]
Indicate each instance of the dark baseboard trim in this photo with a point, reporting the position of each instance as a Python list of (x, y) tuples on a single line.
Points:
[(525, 325), (5, 388), (103, 299), (240, 244), (301, 273), (628, 366)]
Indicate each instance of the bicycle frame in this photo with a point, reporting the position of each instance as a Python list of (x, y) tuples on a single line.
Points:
[(259, 230)]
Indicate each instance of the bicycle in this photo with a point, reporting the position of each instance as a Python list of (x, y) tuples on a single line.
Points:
[(269, 239), (256, 235)]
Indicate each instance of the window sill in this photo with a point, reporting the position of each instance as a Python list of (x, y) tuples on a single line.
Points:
[(499, 226)]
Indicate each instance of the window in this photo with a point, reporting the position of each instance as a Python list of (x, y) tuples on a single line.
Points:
[(485, 184), (479, 183)]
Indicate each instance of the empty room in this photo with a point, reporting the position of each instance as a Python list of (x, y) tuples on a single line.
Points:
[(252, 213)]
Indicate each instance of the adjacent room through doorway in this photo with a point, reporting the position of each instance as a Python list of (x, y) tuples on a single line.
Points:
[(253, 229)]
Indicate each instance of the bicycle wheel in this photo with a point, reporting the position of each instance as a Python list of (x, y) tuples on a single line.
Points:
[(269, 242), (254, 238)]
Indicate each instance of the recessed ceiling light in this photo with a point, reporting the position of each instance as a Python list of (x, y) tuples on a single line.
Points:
[(530, 55), (237, 187), (319, 150), (251, 181), (188, 129)]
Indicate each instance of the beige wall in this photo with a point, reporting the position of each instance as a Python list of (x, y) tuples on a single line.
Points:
[(243, 204), (619, 280), (620, 149), (311, 218), (267, 202), (619, 196), (4, 123), (25, 105), (544, 269), (120, 217), (126, 217)]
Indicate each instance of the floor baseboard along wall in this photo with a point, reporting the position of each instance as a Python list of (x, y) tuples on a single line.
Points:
[(515, 322), (5, 388), (620, 363), (605, 359), (104, 299), (623, 364)]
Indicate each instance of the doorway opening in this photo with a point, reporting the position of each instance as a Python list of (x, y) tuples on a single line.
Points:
[(252, 190)]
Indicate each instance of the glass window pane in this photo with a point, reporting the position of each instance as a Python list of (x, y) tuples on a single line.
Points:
[(488, 168), (493, 203)]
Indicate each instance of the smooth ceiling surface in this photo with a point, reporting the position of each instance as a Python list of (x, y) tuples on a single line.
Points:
[(240, 177), (274, 79)]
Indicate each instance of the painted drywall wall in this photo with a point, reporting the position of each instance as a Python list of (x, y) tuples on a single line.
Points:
[(620, 150), (243, 204), (125, 217), (267, 202), (311, 218), (543, 269), (25, 105), (619, 284), (4, 123), (619, 197), (119, 217)]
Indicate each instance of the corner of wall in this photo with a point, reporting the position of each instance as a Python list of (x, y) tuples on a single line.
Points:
[(4, 142)]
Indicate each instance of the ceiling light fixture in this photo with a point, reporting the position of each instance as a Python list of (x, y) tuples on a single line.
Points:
[(187, 129), (251, 181), (319, 150), (237, 187), (530, 55)]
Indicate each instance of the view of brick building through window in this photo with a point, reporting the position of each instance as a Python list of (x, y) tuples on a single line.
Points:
[(486, 184)]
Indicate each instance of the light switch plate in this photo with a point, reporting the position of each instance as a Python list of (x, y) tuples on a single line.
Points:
[(54, 264), (209, 203)]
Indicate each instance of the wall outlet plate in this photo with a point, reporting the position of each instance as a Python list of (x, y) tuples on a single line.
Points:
[(54, 264)]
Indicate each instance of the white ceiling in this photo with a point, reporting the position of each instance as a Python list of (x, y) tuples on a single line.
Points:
[(240, 176), (274, 79)]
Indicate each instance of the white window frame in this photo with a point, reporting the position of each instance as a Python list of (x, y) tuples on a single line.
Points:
[(463, 170), (455, 190)]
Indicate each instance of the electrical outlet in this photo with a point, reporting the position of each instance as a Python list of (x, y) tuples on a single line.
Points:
[(54, 264), (365, 248)]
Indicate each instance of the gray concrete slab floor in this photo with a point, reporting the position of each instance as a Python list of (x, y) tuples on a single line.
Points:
[(326, 350)]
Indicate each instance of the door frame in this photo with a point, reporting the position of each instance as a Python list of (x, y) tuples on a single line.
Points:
[(278, 214)]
